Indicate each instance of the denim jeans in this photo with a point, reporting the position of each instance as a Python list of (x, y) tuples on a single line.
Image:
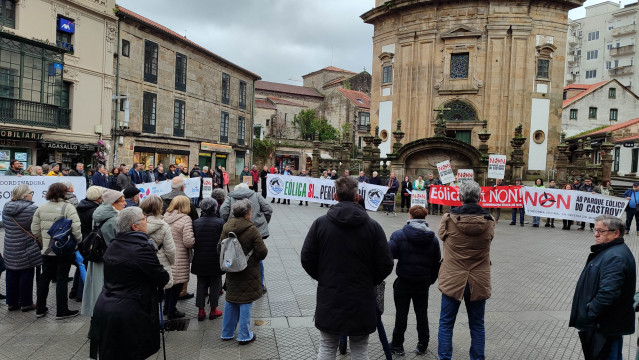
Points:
[(20, 287), (448, 314), (521, 215), (234, 315), (536, 220), (171, 297), (615, 348), (262, 273), (328, 346)]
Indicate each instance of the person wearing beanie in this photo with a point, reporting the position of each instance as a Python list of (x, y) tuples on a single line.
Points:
[(55, 170), (132, 196)]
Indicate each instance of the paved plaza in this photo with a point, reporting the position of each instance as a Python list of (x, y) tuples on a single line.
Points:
[(534, 271)]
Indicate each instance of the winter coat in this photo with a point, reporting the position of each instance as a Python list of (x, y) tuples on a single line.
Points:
[(148, 176), (136, 177), (245, 286), (46, 215), (244, 173), (256, 176), (113, 183), (160, 232), (604, 294), (225, 178), (347, 253), (11, 172), (182, 231), (260, 210), (263, 175), (130, 203), (592, 188), (218, 178), (125, 322), (206, 260), (394, 185), (417, 249), (85, 209), (21, 251), (105, 214), (123, 181), (466, 232), (159, 176), (406, 185), (100, 180), (362, 179), (375, 180), (167, 198), (53, 173)]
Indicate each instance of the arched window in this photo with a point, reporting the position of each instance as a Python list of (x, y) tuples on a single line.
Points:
[(460, 111)]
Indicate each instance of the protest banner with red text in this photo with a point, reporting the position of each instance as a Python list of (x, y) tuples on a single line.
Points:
[(465, 175), (446, 175), (491, 196)]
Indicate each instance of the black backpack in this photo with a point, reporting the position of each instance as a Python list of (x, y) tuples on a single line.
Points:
[(93, 245)]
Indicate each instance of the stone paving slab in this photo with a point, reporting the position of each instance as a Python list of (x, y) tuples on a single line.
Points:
[(534, 272)]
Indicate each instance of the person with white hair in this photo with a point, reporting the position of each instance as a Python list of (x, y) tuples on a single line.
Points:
[(177, 188), (70, 196), (375, 180)]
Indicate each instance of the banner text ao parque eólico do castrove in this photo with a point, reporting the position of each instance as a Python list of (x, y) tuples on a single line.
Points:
[(318, 190)]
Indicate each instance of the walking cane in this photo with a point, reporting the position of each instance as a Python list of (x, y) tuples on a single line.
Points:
[(162, 330)]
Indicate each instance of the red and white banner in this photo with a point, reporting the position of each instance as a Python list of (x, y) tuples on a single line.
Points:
[(491, 196)]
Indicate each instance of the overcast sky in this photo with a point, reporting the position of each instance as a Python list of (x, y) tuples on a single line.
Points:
[(280, 40)]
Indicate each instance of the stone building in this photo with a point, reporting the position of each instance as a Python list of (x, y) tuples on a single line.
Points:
[(602, 104), (56, 61), (186, 104), (344, 106), (319, 78), (359, 82), (502, 61)]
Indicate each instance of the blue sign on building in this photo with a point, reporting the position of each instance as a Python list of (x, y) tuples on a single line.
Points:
[(66, 25)]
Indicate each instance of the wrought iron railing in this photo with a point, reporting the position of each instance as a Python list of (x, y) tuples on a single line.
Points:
[(25, 112)]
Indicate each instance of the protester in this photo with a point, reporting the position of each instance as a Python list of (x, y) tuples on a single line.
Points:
[(255, 174), (21, 249), (417, 249), (148, 175), (29, 170), (432, 208), (160, 232), (85, 209), (218, 178), (242, 288), (576, 184), (183, 171), (347, 253), (70, 196), (225, 179), (588, 186), (54, 266), (567, 223), (219, 195), (631, 209), (113, 179), (177, 216), (602, 307), (15, 169), (99, 177), (135, 174), (177, 189), (124, 178), (244, 172), (539, 183), (171, 173), (65, 171), (263, 175), (324, 176), (132, 196), (159, 173), (55, 170), (45, 169), (514, 211), (362, 178), (407, 186), (334, 175), (303, 174), (375, 180), (206, 260), (466, 233), (38, 171), (125, 322), (606, 189), (498, 182), (79, 171), (347, 173), (392, 184), (104, 217)]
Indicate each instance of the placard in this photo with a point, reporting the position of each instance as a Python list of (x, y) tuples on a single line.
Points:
[(496, 166), (446, 175), (418, 197), (207, 187), (248, 180), (465, 175)]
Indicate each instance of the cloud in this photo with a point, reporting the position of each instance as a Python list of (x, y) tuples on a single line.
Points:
[(277, 39)]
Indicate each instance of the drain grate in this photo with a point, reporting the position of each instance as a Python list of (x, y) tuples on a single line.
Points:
[(176, 325)]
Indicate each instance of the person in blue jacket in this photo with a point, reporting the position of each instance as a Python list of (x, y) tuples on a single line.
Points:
[(99, 178), (631, 209)]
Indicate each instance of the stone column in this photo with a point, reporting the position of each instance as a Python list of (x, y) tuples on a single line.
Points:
[(606, 157)]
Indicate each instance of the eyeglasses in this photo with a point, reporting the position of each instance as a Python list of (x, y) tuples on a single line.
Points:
[(31, 193), (599, 231)]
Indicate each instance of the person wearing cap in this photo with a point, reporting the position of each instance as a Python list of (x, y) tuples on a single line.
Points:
[(103, 217), (132, 196), (631, 209), (521, 209), (65, 171)]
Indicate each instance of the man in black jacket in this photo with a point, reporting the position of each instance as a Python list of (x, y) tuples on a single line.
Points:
[(588, 186), (602, 307), (347, 253), (263, 175)]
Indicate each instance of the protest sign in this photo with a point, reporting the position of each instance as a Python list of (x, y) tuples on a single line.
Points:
[(464, 175), (496, 166), (40, 186), (191, 188), (207, 187), (318, 190), (418, 197), (491, 197), (446, 175), (571, 205), (247, 180)]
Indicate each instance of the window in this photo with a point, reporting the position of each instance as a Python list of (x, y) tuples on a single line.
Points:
[(243, 94), (179, 108), (609, 46), (573, 114), (608, 65), (593, 35), (543, 69), (126, 48), (268, 121), (364, 120), (592, 113), (613, 114), (591, 74), (224, 127), (616, 63), (634, 157), (241, 129), (459, 66), (149, 106), (226, 88), (591, 55), (387, 74), (8, 13), (65, 28), (150, 61), (180, 72), (612, 93)]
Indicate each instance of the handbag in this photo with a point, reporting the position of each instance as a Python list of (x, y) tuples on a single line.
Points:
[(2, 266), (37, 240)]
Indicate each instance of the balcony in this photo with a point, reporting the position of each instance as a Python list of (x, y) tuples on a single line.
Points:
[(31, 113), (571, 59), (573, 40), (621, 70), (623, 30), (622, 50)]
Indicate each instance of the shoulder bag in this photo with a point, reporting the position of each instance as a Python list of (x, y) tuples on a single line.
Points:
[(38, 241)]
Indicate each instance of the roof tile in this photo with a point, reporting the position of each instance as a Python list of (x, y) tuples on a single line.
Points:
[(357, 97), (287, 89), (264, 104), (276, 100), (615, 127), (587, 90)]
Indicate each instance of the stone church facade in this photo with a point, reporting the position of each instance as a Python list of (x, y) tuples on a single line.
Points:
[(498, 60)]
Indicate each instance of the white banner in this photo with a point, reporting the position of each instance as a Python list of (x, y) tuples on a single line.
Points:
[(207, 187), (446, 175), (418, 197), (318, 190), (571, 205), (464, 175), (192, 188), (496, 166), (40, 186)]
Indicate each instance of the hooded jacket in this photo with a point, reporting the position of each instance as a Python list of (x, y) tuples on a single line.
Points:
[(417, 249), (46, 215), (260, 210), (21, 251), (466, 232), (347, 253), (160, 232), (182, 231)]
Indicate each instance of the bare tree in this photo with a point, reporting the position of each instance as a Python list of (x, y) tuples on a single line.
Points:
[(279, 127)]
